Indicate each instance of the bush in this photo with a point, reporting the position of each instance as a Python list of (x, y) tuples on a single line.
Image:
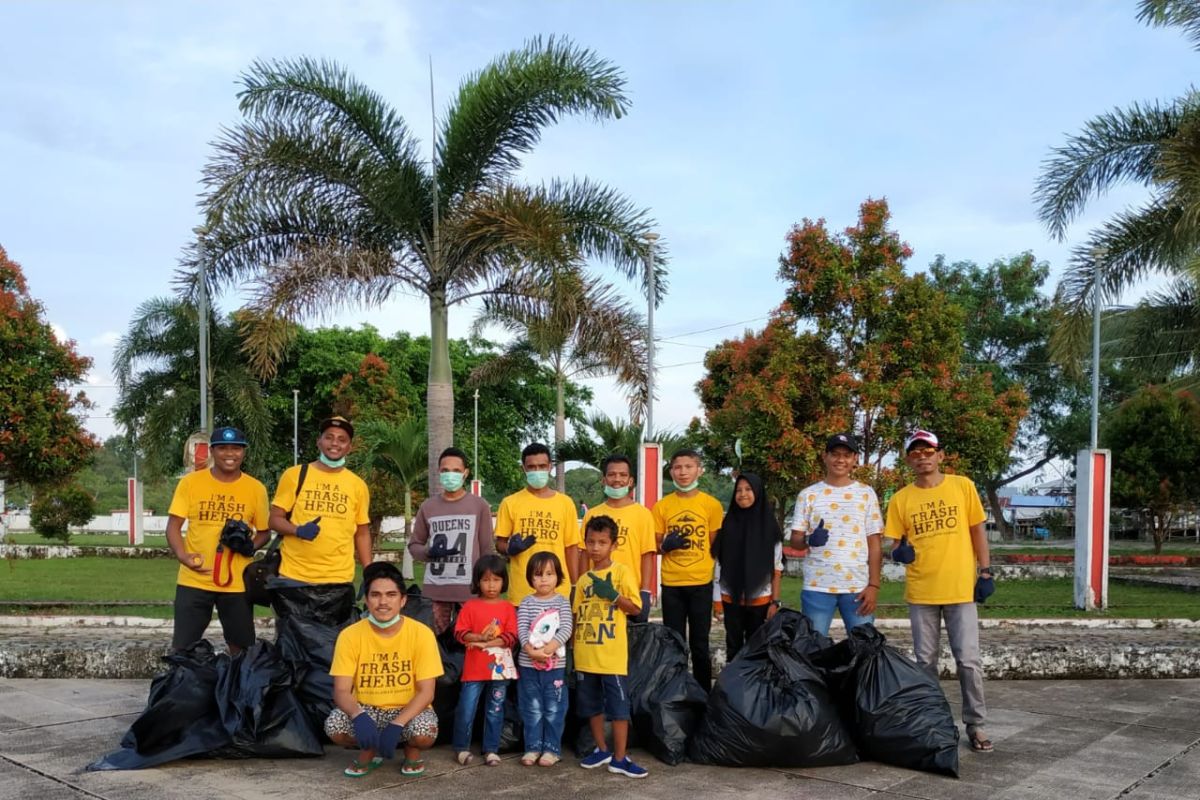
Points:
[(54, 510)]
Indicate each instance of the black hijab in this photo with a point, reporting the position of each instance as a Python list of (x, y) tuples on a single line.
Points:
[(745, 546)]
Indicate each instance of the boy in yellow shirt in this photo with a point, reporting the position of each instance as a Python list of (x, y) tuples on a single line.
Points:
[(603, 599)]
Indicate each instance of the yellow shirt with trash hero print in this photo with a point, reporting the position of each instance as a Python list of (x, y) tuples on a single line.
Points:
[(697, 519), (601, 629), (385, 669), (206, 503), (938, 524), (552, 520), (635, 534), (341, 499)]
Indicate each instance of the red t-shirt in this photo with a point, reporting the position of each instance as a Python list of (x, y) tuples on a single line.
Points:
[(475, 616)]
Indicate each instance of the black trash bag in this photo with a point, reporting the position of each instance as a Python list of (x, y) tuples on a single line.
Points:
[(308, 621), (900, 714), (181, 718), (259, 709), (449, 684), (771, 707), (666, 702)]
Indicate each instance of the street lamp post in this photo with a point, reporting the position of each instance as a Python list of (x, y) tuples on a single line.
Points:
[(475, 459), (202, 318), (1097, 257), (651, 290), (295, 426)]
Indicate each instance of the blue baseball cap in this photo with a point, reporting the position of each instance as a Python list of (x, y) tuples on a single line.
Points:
[(227, 435)]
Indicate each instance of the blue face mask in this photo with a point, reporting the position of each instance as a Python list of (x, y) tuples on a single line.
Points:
[(615, 494), (451, 481), (329, 462), (538, 478), (379, 624)]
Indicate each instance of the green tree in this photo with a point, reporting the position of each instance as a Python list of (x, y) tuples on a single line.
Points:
[(42, 439), (601, 436), (1155, 440), (585, 485), (321, 196), (579, 328), (56, 508), (387, 451)]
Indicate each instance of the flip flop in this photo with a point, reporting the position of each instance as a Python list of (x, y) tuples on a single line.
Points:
[(412, 768), (981, 744), (357, 770)]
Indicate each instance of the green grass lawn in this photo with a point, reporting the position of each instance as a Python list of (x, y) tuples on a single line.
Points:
[(109, 580), (119, 540)]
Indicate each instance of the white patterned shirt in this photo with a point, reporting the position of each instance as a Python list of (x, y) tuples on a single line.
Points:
[(851, 514)]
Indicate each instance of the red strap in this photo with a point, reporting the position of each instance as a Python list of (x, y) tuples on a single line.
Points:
[(217, 568)]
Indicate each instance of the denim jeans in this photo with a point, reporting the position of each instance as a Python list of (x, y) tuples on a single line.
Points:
[(819, 608), (493, 693), (542, 698)]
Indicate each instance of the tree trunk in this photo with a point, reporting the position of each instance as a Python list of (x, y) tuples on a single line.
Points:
[(406, 563), (560, 432), (993, 496), (439, 395)]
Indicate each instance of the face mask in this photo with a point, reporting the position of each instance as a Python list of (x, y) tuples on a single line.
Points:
[(380, 624), (538, 478), (451, 481), (615, 494), (687, 488), (329, 462)]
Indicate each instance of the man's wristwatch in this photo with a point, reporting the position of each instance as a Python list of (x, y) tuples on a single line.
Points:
[(777, 603), (985, 571)]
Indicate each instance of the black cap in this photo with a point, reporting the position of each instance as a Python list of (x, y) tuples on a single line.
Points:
[(337, 422), (846, 440), (227, 435)]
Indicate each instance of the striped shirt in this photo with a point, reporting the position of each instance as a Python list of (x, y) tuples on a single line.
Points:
[(532, 620)]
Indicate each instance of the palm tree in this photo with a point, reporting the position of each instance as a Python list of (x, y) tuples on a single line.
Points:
[(320, 196), (394, 451), (579, 328), (157, 370), (1156, 145), (608, 436)]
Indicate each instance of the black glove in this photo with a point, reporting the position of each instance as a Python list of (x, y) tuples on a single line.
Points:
[(518, 544), (819, 536), (984, 588), (673, 541), (365, 732), (309, 530), (904, 552), (389, 739), (603, 588), (438, 550), (237, 536)]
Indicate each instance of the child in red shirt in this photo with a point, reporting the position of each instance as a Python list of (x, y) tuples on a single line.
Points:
[(487, 626)]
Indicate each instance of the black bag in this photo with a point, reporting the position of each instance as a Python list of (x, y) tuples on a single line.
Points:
[(771, 706), (258, 572)]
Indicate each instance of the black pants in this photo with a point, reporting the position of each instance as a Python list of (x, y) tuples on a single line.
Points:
[(193, 613), (740, 624), (688, 610)]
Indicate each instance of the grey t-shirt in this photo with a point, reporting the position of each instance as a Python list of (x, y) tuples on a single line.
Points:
[(465, 523)]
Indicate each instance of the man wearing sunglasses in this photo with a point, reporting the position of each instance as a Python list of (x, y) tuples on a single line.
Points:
[(938, 521)]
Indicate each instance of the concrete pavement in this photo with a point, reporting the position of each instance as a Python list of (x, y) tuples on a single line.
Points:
[(1068, 740)]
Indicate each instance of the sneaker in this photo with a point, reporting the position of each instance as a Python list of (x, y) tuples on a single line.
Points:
[(627, 768), (596, 758)]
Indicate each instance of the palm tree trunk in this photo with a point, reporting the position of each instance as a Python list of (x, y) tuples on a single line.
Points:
[(406, 564), (560, 431), (439, 397)]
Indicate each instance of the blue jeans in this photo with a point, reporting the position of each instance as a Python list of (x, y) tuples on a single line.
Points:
[(819, 608), (494, 693), (543, 702)]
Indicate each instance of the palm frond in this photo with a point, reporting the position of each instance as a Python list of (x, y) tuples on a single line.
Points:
[(1183, 14)]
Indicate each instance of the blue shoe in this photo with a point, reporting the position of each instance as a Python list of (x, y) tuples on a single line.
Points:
[(627, 768), (596, 758)]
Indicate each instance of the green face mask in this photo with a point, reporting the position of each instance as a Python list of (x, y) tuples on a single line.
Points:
[(687, 488), (615, 494), (538, 478), (381, 624), (451, 481), (329, 462)]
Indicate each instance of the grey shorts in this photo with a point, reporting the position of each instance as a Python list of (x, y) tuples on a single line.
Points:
[(423, 724)]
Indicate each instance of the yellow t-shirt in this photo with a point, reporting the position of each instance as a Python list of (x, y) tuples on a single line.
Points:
[(697, 519), (601, 640), (938, 524), (342, 501), (552, 520), (206, 503), (635, 535), (386, 669)]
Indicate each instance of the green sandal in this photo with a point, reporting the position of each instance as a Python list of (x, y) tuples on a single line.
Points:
[(412, 768), (357, 770)]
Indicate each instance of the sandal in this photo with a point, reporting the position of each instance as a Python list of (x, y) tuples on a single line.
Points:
[(529, 759), (464, 758), (412, 767), (357, 770), (548, 760), (492, 760), (980, 743)]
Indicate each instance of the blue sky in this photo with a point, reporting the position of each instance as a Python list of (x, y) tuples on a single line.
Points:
[(746, 118)]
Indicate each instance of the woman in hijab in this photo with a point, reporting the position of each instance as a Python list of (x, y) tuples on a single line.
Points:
[(749, 554)]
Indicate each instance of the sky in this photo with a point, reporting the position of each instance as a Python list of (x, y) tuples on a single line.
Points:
[(746, 118)]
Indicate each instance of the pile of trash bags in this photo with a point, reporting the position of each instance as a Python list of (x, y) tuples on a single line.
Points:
[(792, 698)]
